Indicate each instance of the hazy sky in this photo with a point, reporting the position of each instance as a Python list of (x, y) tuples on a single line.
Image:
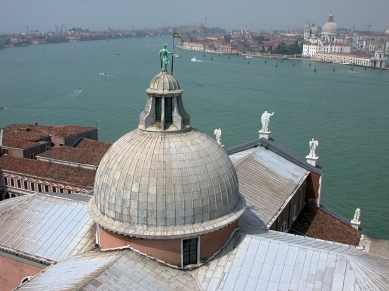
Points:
[(41, 15)]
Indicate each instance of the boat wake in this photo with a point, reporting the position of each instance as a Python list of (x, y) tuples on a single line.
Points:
[(76, 92)]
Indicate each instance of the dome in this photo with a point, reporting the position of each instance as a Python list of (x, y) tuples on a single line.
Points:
[(166, 184), (330, 27), (164, 83)]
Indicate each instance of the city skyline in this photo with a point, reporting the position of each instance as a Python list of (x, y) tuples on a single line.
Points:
[(42, 15)]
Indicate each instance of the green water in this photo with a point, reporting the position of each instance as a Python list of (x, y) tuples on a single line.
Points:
[(346, 111)]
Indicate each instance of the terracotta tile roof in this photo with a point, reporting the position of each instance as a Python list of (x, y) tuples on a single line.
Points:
[(25, 132), (93, 145), (68, 130), (87, 151), (37, 132), (49, 171), (19, 143), (314, 222)]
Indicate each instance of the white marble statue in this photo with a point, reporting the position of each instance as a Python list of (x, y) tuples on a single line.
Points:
[(357, 215), (218, 133), (313, 144), (265, 119)]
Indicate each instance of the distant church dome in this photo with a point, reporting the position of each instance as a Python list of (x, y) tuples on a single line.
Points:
[(330, 27), (165, 179)]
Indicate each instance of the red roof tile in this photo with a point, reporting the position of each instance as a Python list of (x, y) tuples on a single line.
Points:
[(49, 171), (68, 130), (314, 222), (87, 151), (19, 143)]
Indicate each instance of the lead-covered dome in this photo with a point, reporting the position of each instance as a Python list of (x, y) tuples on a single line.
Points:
[(166, 185), (330, 27)]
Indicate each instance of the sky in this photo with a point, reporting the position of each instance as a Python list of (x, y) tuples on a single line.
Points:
[(257, 15)]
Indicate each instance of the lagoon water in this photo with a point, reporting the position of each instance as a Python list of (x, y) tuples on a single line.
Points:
[(346, 111)]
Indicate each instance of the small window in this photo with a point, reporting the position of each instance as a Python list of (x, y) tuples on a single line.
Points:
[(69, 191), (19, 183), (5, 181), (32, 156), (32, 186), (39, 187), (54, 189), (25, 184), (12, 182), (46, 188), (47, 148), (284, 227), (5, 151), (189, 251)]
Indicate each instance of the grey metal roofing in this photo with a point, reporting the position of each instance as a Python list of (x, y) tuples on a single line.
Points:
[(76, 197), (277, 261), (72, 273), (124, 270), (266, 260), (278, 148), (45, 228), (267, 181), (166, 185)]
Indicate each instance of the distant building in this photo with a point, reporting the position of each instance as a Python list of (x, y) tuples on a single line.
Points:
[(59, 159)]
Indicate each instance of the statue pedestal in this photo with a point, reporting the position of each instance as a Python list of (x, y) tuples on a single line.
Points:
[(355, 224), (264, 134), (312, 160)]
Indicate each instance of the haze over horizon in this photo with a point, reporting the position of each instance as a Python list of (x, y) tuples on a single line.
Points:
[(257, 15)]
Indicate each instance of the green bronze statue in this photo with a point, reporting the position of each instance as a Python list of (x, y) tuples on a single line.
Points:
[(164, 57)]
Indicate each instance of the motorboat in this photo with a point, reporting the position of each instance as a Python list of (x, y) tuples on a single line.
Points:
[(283, 58), (248, 57), (103, 74), (176, 55), (194, 59)]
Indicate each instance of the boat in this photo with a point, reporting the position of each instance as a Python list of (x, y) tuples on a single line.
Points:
[(265, 62), (103, 74), (309, 64), (228, 57), (1, 106), (176, 55), (248, 62), (293, 64), (275, 65), (333, 69), (79, 89), (211, 58), (248, 57), (314, 69), (283, 58), (194, 59)]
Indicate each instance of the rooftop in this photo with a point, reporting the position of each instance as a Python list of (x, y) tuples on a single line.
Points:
[(49, 171)]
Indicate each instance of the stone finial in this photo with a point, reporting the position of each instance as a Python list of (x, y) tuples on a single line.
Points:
[(355, 222), (311, 157), (218, 134)]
